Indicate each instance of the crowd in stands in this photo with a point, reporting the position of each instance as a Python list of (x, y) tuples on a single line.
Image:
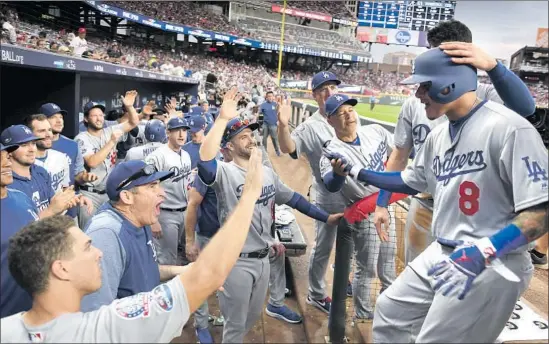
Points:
[(333, 8), (539, 90)]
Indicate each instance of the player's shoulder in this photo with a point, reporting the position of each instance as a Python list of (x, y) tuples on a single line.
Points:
[(18, 195), (499, 116), (55, 154), (104, 222), (17, 332), (67, 141), (39, 170), (372, 128)]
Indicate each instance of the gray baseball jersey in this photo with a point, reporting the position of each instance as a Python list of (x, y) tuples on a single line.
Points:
[(90, 144), (165, 159), (228, 185), (142, 151), (495, 166), (58, 166), (376, 144), (154, 317)]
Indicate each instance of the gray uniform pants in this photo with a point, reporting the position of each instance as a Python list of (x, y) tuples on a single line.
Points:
[(271, 130), (241, 303), (201, 315), (277, 280), (417, 232), (173, 227), (320, 252), (97, 200), (371, 256), (410, 311)]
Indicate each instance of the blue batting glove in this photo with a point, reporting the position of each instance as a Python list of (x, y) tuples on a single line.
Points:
[(456, 274), (335, 156)]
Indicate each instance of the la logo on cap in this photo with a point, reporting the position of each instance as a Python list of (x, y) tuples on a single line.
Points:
[(339, 98), (27, 130), (325, 75)]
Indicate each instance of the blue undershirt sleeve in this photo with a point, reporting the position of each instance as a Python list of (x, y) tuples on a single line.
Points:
[(298, 202), (512, 90), (389, 181), (207, 171)]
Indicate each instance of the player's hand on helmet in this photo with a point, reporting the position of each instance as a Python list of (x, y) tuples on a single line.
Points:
[(156, 230), (129, 99), (468, 53), (254, 175), (333, 219), (284, 110), (455, 274), (382, 222), (230, 100), (116, 135)]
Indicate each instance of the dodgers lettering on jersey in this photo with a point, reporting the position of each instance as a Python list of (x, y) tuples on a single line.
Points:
[(376, 144), (165, 159), (141, 152), (495, 167), (58, 166), (90, 145), (228, 186)]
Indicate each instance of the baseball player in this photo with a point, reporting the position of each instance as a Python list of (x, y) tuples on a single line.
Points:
[(157, 316), (487, 172), (17, 210), (308, 138), (98, 146), (171, 157), (33, 180), (155, 134), (197, 131), (369, 147), (245, 289), (413, 126)]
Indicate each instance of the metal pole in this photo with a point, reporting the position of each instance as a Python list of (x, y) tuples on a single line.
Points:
[(281, 46), (338, 313)]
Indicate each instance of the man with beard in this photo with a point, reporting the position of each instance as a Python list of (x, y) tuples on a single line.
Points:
[(63, 144), (171, 157), (17, 210), (33, 180), (245, 289), (98, 146), (56, 163)]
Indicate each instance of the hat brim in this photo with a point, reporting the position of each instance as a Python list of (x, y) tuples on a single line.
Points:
[(415, 79), (179, 127), (9, 148), (28, 139), (251, 126), (157, 176), (62, 112), (337, 82), (98, 106), (350, 101), (196, 130)]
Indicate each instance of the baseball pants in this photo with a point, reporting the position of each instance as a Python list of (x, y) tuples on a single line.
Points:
[(97, 201), (202, 313), (271, 130), (277, 280), (173, 226), (417, 232), (241, 302), (410, 311), (371, 256), (324, 242)]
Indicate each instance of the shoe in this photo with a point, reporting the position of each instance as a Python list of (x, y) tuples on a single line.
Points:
[(349, 289), (204, 336), (283, 313), (539, 260), (324, 304)]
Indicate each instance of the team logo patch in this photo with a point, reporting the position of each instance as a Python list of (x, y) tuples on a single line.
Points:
[(133, 307), (163, 297), (36, 337)]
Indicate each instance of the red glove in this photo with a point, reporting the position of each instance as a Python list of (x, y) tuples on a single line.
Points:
[(361, 209)]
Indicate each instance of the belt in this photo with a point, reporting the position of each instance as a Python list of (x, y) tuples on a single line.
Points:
[(92, 189), (179, 210), (256, 254)]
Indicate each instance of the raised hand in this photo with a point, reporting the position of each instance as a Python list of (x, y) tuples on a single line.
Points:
[(254, 175), (230, 101), (116, 135), (284, 110), (129, 99)]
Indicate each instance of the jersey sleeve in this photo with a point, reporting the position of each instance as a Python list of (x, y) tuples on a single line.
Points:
[(403, 129), (283, 193), (79, 161), (325, 166), (112, 267), (154, 317), (199, 186), (156, 159), (301, 137), (523, 166), (414, 176), (85, 145)]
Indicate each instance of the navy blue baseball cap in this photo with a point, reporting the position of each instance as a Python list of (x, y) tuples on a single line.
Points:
[(17, 135), (195, 110), (321, 78), (196, 123), (234, 127), (50, 109), (178, 122), (334, 102), (92, 105), (130, 174)]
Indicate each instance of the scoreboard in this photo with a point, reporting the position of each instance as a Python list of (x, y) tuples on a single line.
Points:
[(404, 14)]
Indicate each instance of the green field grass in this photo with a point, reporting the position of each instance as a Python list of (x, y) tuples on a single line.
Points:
[(386, 113)]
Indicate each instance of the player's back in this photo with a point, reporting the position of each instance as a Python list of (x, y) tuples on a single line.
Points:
[(141, 152), (480, 180)]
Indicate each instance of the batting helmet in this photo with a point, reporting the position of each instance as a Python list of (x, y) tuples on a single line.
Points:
[(436, 67), (155, 131)]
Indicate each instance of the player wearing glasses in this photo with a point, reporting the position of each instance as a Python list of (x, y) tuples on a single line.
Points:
[(121, 229)]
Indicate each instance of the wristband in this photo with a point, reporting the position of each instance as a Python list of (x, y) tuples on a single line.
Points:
[(383, 198), (506, 240)]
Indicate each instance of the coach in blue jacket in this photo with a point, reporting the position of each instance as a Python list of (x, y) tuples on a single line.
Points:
[(121, 229), (270, 121)]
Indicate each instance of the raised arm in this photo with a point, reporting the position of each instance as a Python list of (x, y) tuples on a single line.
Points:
[(133, 118), (287, 144)]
